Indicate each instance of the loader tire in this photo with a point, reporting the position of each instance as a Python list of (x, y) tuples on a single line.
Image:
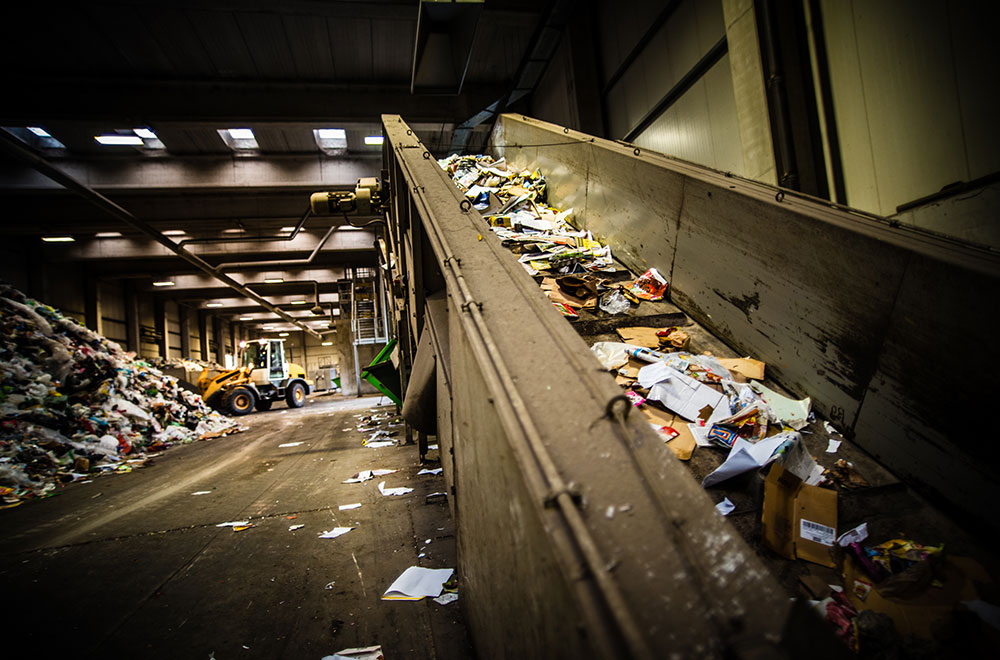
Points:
[(238, 401), (295, 395)]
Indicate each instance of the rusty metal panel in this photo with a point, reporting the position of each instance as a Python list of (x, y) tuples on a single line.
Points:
[(577, 527), (813, 306), (858, 312)]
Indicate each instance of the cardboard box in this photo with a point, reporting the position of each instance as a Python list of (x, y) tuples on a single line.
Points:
[(799, 521)]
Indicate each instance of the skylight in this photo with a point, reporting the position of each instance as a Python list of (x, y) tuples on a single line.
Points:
[(35, 136), (144, 133), (238, 139), (331, 139), (119, 140)]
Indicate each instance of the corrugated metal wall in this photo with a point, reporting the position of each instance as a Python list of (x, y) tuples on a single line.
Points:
[(910, 105), (911, 83)]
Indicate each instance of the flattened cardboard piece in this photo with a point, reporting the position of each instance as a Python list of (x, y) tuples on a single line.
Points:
[(746, 367), (624, 380), (640, 336), (557, 295), (798, 520), (632, 367), (683, 445)]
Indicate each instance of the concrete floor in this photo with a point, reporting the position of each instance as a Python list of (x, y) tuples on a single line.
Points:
[(133, 565)]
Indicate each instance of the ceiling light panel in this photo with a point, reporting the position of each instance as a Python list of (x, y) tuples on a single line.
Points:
[(119, 140)]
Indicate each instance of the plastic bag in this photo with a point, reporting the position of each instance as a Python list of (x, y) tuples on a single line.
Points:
[(649, 286), (614, 302)]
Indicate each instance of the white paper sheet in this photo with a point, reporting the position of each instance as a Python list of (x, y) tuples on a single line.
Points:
[(833, 446), (348, 507), (366, 653), (400, 490), (681, 394), (745, 456), (417, 582), (290, 444), (335, 532), (725, 507), (235, 523), (434, 471), (379, 444)]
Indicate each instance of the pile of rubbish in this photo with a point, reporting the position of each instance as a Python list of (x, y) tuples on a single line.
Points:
[(891, 590), (577, 271), (379, 429), (73, 403), (184, 363)]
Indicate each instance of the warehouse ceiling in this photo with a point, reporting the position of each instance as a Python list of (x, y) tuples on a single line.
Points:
[(232, 114)]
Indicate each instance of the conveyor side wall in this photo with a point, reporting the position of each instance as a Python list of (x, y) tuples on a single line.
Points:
[(872, 320), (579, 533)]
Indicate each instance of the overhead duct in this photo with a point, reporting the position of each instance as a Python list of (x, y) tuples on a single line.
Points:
[(12, 146)]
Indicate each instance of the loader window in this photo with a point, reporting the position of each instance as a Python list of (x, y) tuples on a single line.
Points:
[(255, 356), (276, 360)]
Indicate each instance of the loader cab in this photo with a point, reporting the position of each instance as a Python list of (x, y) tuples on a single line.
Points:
[(267, 359)]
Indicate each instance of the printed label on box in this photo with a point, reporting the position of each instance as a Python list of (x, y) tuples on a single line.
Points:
[(813, 531)]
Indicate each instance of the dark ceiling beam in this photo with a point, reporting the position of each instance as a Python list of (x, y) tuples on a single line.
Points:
[(215, 175), (342, 240), (29, 101)]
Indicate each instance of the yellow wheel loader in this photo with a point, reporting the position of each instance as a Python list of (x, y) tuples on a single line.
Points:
[(265, 376)]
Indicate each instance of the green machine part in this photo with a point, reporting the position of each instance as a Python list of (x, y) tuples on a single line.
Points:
[(383, 375)]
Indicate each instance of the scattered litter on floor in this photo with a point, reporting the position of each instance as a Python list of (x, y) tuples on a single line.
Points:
[(348, 507), (73, 403), (292, 528), (400, 490), (366, 653), (446, 598), (237, 523), (290, 444), (417, 583), (832, 446), (202, 492), (379, 444), (431, 471), (240, 528), (365, 475), (335, 532)]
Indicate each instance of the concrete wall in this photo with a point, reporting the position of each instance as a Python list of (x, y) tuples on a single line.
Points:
[(913, 93), (909, 106)]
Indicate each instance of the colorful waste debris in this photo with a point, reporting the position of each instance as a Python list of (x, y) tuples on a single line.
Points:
[(73, 403)]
